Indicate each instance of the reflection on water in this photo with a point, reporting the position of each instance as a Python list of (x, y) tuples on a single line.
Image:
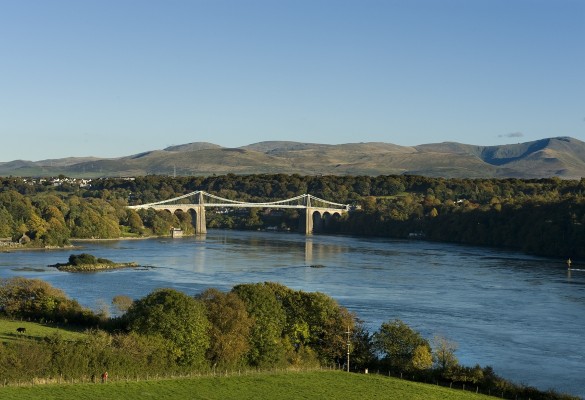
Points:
[(523, 315)]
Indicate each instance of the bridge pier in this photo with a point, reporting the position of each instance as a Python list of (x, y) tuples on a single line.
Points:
[(200, 226), (307, 223)]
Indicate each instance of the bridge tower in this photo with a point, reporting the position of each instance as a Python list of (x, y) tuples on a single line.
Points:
[(200, 226), (306, 225)]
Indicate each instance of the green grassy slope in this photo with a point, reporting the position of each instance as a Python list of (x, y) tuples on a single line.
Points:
[(302, 385), (34, 331)]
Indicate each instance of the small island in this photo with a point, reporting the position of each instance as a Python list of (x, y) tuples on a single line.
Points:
[(89, 263)]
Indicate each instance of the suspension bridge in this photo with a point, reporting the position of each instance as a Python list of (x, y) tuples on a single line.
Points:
[(317, 212)]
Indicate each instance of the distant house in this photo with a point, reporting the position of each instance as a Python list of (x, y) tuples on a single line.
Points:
[(176, 232), (24, 239)]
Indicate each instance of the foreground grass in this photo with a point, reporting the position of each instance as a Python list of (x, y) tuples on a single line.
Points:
[(291, 385), (34, 331)]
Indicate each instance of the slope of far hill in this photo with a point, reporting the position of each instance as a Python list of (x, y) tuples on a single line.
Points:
[(283, 385), (562, 157)]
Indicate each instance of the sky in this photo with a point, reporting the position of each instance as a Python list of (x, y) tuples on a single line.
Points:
[(110, 78)]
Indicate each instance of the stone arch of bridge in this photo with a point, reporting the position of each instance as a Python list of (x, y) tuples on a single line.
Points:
[(329, 216), (316, 220), (197, 216)]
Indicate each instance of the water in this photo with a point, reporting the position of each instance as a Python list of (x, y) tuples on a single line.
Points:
[(522, 315)]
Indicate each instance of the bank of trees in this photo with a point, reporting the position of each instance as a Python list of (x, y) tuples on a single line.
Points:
[(260, 325), (545, 216), (36, 300)]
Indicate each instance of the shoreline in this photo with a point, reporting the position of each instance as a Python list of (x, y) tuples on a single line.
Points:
[(14, 248), (7, 246), (119, 238)]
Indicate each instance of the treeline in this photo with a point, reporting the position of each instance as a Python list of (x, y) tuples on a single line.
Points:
[(544, 217), (262, 325)]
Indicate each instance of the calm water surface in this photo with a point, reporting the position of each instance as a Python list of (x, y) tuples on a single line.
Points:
[(523, 315)]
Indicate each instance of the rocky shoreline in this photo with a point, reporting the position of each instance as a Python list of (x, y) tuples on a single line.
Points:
[(12, 247)]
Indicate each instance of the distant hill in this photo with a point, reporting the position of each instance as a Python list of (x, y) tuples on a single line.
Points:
[(562, 157)]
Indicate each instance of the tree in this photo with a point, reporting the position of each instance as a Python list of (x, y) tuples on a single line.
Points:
[(57, 233), (328, 322), (6, 223), (38, 300), (362, 349), (253, 221), (444, 353), (176, 317), (94, 218), (397, 342), (315, 321), (369, 204), (134, 222), (229, 329), (267, 348), (122, 303), (422, 359)]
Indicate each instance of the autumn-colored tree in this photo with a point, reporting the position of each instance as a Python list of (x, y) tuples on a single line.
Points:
[(122, 303), (444, 353), (422, 358), (229, 330)]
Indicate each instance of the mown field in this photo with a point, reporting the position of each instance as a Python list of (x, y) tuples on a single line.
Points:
[(289, 385), (34, 331)]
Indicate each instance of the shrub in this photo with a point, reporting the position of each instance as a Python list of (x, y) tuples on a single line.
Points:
[(84, 259)]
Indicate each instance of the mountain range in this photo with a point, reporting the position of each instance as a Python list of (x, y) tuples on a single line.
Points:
[(563, 157)]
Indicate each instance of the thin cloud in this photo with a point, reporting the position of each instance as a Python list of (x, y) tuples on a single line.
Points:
[(512, 135)]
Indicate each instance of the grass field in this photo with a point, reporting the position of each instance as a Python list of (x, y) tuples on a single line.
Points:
[(34, 331), (291, 385)]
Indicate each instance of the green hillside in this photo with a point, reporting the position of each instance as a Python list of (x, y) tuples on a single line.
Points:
[(34, 331), (291, 385)]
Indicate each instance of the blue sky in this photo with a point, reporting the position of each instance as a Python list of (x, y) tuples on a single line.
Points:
[(112, 78)]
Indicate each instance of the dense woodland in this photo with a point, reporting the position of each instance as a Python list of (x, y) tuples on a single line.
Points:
[(253, 326), (544, 217)]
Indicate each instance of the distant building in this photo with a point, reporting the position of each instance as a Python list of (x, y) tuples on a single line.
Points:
[(24, 239), (176, 232)]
